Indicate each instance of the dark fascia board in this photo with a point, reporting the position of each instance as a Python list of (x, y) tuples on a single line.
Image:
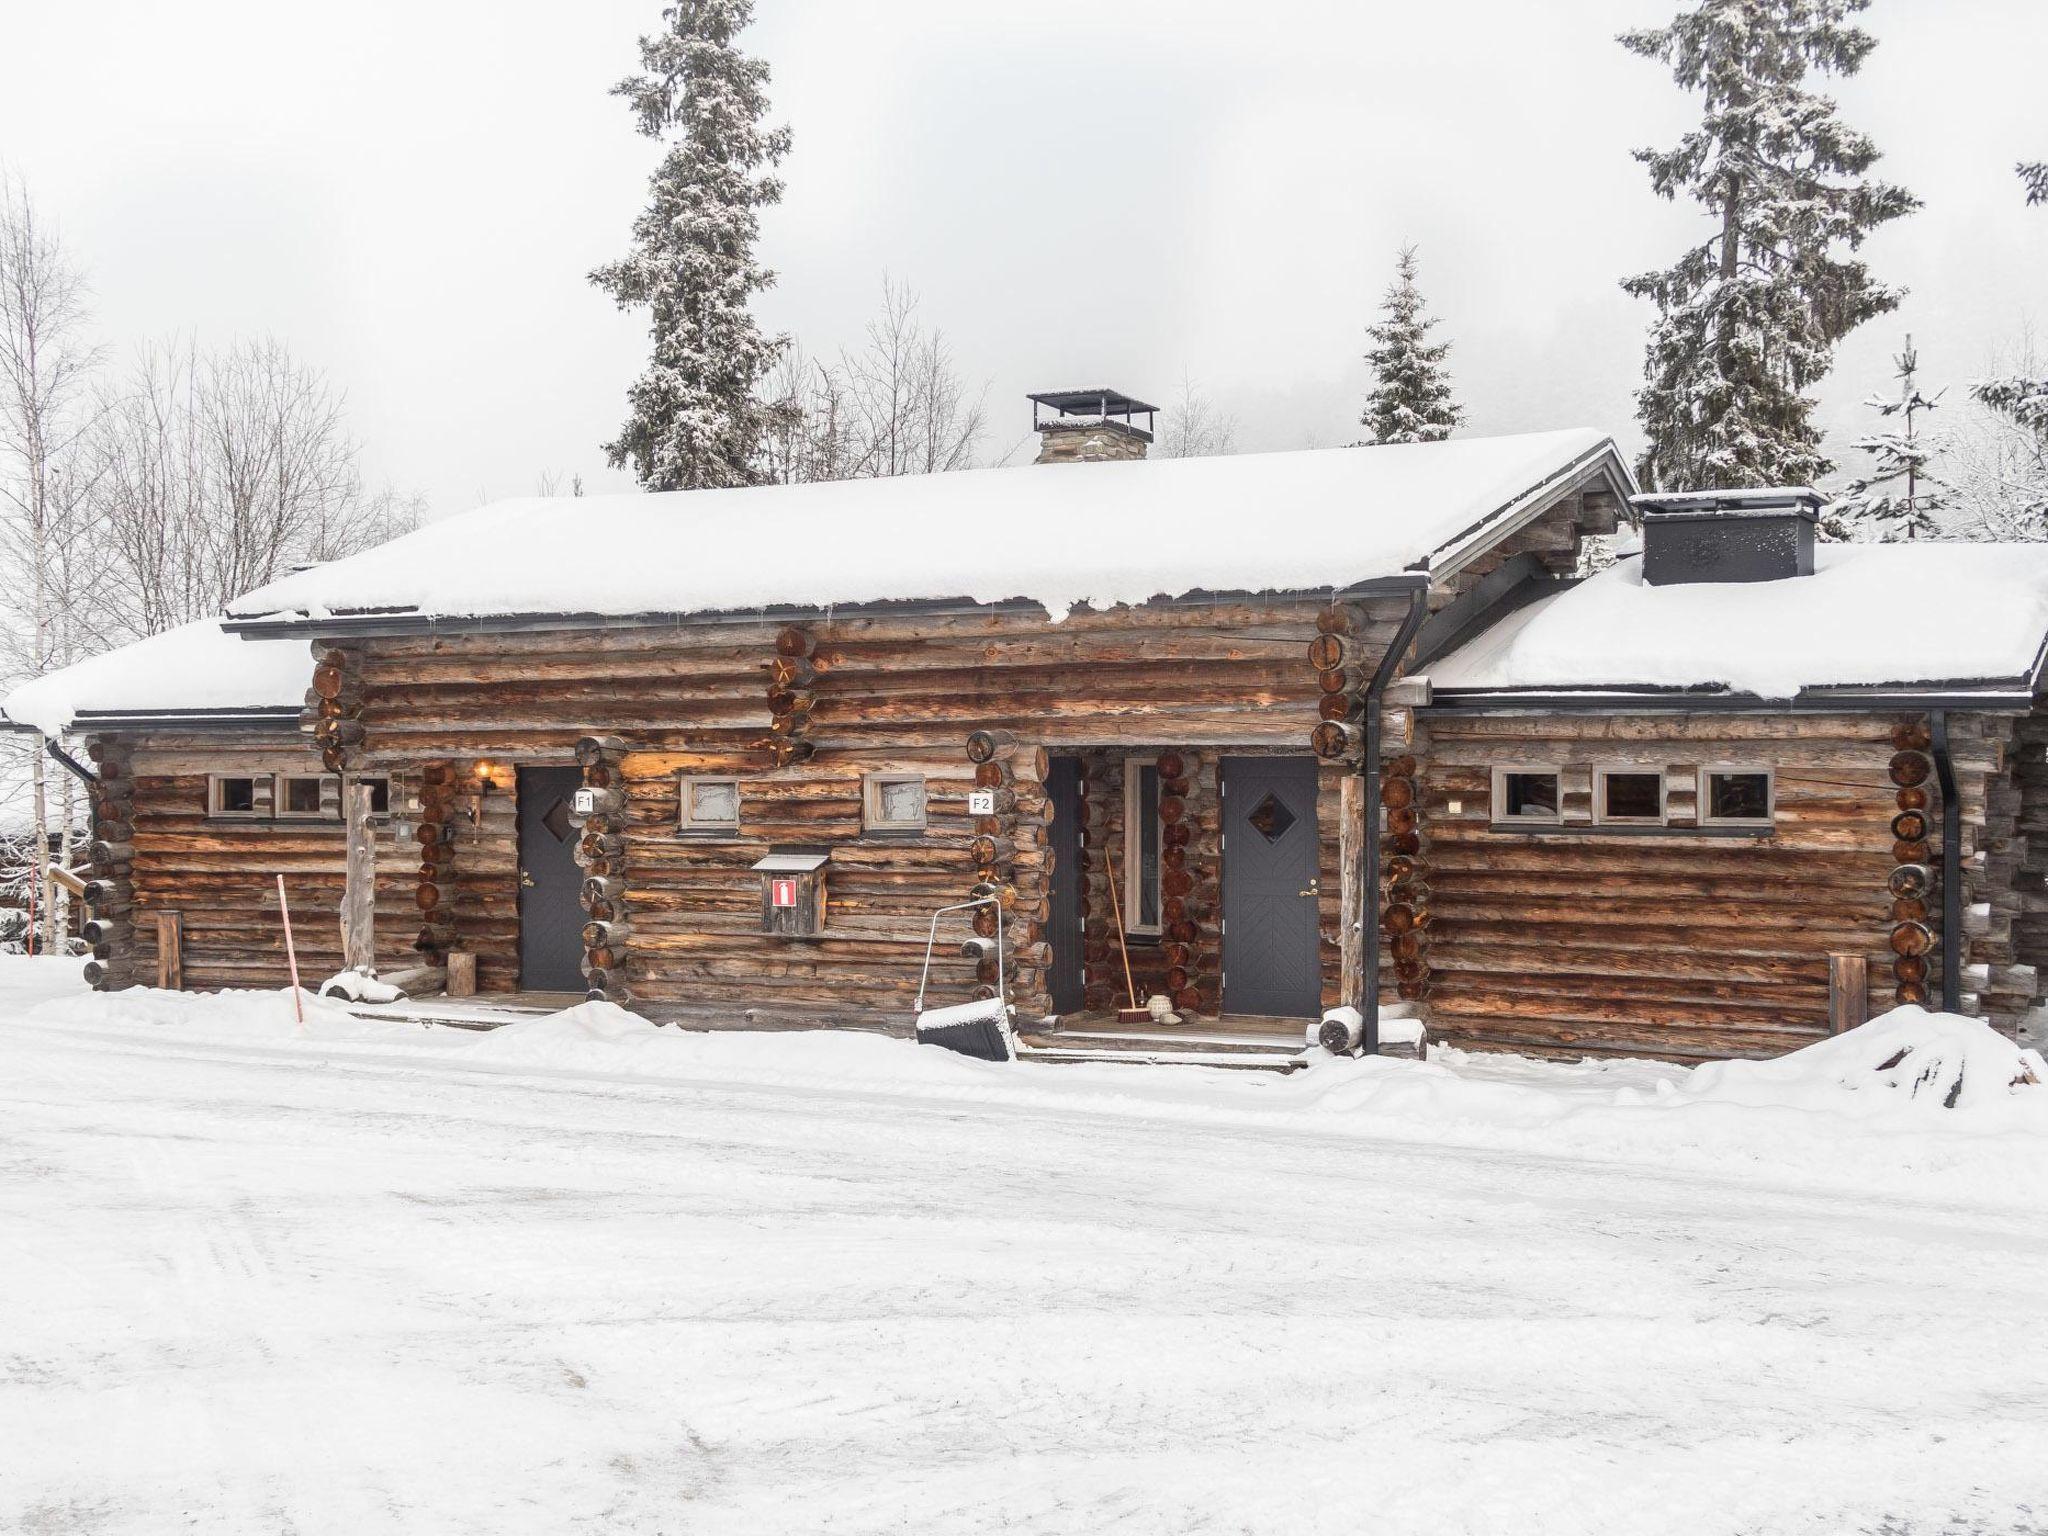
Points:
[(89, 721), (2001, 696), (408, 621), (1512, 586)]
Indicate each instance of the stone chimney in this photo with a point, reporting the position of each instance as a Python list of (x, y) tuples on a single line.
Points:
[(1088, 425)]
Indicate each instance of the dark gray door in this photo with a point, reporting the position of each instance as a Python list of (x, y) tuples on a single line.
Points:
[(550, 882), (1271, 957), (1063, 924)]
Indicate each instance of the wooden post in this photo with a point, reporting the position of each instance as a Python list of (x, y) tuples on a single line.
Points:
[(1848, 992), (170, 951), (461, 973), (1355, 905), (359, 888)]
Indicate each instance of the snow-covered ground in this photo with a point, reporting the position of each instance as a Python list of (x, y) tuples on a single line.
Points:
[(582, 1275)]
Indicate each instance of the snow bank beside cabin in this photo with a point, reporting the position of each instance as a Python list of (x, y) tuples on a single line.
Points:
[(1840, 1112), (1841, 626), (1103, 534)]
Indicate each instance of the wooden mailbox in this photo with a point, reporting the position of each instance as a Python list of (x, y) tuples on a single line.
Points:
[(793, 893)]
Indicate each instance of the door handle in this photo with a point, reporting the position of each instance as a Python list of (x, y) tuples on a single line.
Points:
[(1315, 888), (525, 880)]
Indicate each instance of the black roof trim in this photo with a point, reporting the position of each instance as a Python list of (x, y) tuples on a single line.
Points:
[(408, 621)]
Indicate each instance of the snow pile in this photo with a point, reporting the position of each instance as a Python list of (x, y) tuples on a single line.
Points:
[(359, 988), (1939, 1059), (1326, 518), (194, 667), (1837, 627)]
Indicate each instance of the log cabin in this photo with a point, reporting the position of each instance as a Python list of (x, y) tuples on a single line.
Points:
[(204, 792), (1259, 736)]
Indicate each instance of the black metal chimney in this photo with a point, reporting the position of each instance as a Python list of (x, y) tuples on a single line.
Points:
[(1704, 536)]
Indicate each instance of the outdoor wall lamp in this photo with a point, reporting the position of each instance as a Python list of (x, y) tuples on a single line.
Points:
[(483, 787)]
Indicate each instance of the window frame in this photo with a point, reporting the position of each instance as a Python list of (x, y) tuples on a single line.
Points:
[(1602, 772), (871, 819), (1704, 807), (215, 811), (280, 807), (1501, 774), (687, 823), (1134, 876)]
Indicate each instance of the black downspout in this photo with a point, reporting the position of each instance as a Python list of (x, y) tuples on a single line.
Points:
[(1369, 774), (1951, 866), (84, 774)]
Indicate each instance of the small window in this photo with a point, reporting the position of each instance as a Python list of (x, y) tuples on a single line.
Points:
[(380, 795), (1525, 794), (1629, 796), (230, 795), (710, 805), (1736, 797), (299, 796), (893, 802), (1141, 845)]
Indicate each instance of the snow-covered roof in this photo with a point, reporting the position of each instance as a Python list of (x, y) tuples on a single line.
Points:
[(197, 670), (1871, 615), (1058, 535)]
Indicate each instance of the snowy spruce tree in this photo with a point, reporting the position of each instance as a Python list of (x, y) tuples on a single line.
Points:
[(1411, 393), (1899, 499), (697, 418), (2021, 402), (2036, 178), (1747, 320)]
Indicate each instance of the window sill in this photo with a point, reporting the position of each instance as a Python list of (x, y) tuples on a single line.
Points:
[(1629, 829)]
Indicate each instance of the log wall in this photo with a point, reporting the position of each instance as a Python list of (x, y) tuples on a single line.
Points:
[(1686, 944), (799, 716), (220, 873)]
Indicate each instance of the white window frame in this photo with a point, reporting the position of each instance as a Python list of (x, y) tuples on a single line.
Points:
[(1606, 771), (1705, 805), (687, 822), (871, 819), (214, 809), (1134, 877), (1501, 773), (280, 809)]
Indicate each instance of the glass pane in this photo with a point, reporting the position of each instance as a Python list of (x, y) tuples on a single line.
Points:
[(715, 804), (1634, 797), (1147, 904), (1530, 794), (238, 794), (902, 802), (1739, 796), (302, 796), (1271, 819)]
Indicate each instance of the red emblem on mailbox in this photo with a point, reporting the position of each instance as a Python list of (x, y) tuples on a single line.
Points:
[(782, 891)]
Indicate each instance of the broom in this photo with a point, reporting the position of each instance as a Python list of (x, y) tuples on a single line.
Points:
[(1133, 1014)]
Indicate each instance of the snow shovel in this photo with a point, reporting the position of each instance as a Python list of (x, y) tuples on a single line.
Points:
[(980, 1028)]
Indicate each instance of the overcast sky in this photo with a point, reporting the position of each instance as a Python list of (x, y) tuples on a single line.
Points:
[(410, 192)]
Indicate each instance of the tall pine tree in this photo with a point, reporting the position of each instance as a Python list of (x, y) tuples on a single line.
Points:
[(1899, 499), (1411, 393), (1748, 319), (696, 414)]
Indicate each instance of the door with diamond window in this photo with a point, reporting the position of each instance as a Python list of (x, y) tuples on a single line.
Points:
[(1271, 939), (550, 882)]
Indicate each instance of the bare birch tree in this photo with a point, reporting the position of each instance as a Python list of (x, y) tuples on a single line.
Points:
[(221, 471), (895, 406), (46, 360), (1195, 427)]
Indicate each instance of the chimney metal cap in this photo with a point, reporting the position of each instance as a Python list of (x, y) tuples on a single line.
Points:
[(1802, 500), (1091, 402)]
